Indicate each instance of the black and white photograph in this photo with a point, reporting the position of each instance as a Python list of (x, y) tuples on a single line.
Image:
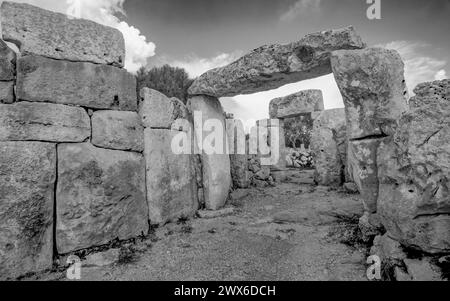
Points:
[(224, 147)]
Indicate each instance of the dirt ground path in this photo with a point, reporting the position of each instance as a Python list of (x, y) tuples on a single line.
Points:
[(294, 231)]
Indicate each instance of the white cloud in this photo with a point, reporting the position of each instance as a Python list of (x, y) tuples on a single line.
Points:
[(440, 75), (196, 66), (419, 66), (301, 8), (138, 49)]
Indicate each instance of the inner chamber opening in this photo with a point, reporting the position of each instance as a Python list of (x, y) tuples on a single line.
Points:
[(297, 130)]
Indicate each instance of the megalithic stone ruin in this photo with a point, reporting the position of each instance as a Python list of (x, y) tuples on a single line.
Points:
[(86, 161)]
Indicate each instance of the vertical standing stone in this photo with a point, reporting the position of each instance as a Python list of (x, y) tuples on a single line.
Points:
[(373, 86), (272, 131), (238, 153), (27, 183), (414, 173), (216, 165), (328, 145), (362, 161), (171, 179)]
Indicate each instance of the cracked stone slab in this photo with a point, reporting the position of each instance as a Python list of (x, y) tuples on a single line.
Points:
[(55, 35), (100, 197), (88, 85), (272, 66), (27, 182), (373, 87), (296, 104), (27, 121), (118, 130)]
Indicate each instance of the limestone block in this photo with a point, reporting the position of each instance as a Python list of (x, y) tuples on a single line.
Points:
[(238, 153), (373, 86), (7, 62), (55, 35), (216, 165), (329, 147), (158, 111), (362, 164), (27, 121), (6, 92), (118, 130), (88, 85), (171, 179), (303, 102), (414, 173), (27, 183), (100, 196)]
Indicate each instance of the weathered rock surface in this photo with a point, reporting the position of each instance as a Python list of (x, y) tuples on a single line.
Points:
[(423, 270), (216, 167), (430, 93), (102, 259), (27, 181), (362, 164), (26, 121), (55, 35), (388, 250), (6, 92), (206, 214), (330, 159), (272, 143), (171, 179), (89, 85), (7, 62), (118, 130), (373, 86), (370, 226), (414, 173), (303, 102), (273, 66), (158, 111), (100, 196)]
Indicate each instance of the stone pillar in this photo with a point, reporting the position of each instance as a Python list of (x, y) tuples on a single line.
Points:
[(328, 144), (216, 164), (170, 164), (277, 156), (373, 86), (238, 153)]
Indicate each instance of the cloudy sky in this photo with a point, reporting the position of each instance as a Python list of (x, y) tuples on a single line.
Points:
[(203, 34)]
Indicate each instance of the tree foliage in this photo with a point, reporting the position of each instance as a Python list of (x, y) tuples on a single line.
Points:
[(298, 131), (171, 81)]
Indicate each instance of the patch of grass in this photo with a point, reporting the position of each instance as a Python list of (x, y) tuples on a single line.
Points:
[(128, 254), (346, 230)]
